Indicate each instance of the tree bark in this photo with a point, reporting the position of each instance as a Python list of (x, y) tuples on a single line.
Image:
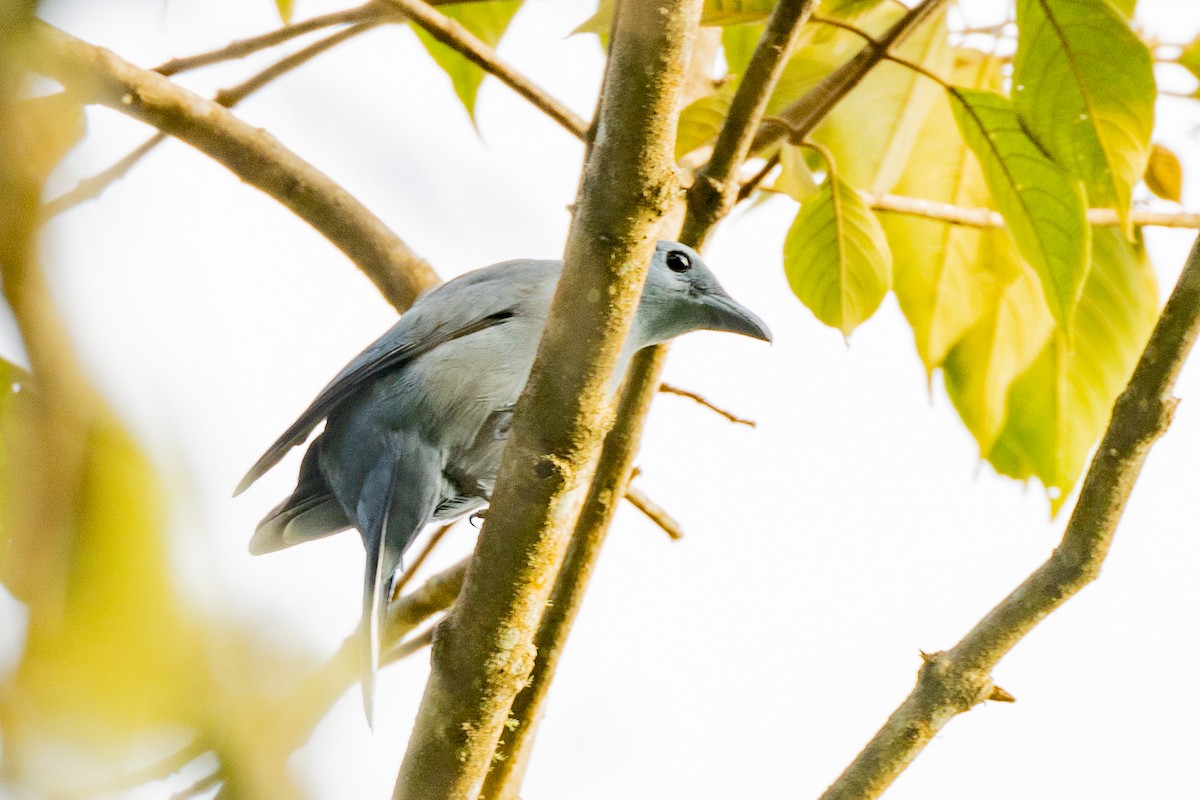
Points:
[(483, 653)]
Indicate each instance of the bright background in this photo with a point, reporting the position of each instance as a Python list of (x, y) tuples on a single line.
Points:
[(855, 526)]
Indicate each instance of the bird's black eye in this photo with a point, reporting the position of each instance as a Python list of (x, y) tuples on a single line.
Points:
[(678, 261)]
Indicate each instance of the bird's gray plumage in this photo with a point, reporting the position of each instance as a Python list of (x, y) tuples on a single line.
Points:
[(416, 423)]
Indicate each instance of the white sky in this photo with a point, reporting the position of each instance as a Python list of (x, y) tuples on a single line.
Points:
[(852, 528)]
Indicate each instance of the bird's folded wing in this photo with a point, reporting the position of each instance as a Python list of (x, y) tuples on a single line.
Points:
[(387, 353)]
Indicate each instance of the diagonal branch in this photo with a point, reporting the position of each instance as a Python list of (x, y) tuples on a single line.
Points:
[(483, 652), (370, 11), (450, 33), (97, 75), (956, 680), (801, 117), (714, 192), (93, 187), (989, 218)]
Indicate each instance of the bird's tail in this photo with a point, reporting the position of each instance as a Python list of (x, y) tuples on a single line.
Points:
[(374, 614)]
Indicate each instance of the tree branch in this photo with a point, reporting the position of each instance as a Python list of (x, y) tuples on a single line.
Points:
[(609, 484), (371, 11), (616, 460), (714, 193), (483, 652), (656, 513), (98, 76), (93, 187), (667, 388), (952, 682), (987, 218), (801, 117), (450, 33), (375, 11)]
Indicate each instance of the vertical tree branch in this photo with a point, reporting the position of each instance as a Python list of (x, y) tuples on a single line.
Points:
[(604, 495), (714, 194), (98, 76), (954, 681), (483, 653)]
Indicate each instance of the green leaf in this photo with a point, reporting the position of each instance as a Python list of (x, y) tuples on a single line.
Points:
[(735, 12), (1059, 407), (836, 257), (894, 99), (599, 23), (848, 9), (1043, 208), (701, 120), (1003, 342), (1083, 86), (285, 8), (947, 276), (739, 42), (795, 176), (1164, 174), (1189, 59), (488, 21)]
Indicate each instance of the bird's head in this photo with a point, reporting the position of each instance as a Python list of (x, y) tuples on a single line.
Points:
[(682, 295)]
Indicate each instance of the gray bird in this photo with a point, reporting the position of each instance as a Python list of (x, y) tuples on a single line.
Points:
[(415, 424)]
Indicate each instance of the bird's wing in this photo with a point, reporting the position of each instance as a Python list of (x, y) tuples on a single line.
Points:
[(392, 350), (466, 305)]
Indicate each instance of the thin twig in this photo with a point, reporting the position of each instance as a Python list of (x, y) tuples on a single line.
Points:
[(757, 178), (657, 514), (244, 47), (234, 95), (952, 682), (410, 646), (988, 218), (667, 388), (200, 786), (93, 187), (406, 576), (160, 770), (450, 33), (99, 76)]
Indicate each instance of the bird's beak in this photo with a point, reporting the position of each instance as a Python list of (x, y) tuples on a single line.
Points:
[(727, 314)]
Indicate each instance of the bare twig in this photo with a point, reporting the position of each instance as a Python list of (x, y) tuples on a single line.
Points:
[(450, 33), (406, 576), (234, 95), (657, 514), (988, 218), (244, 47), (93, 187), (667, 388), (757, 178), (952, 682), (411, 646), (99, 76), (200, 786), (157, 771)]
